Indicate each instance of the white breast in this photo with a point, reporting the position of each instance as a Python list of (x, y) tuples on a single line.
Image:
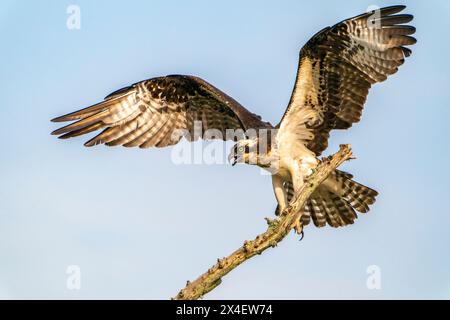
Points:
[(295, 156)]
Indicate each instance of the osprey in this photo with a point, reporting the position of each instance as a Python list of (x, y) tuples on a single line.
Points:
[(337, 67)]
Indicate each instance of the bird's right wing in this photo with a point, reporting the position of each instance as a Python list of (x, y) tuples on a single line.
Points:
[(154, 112)]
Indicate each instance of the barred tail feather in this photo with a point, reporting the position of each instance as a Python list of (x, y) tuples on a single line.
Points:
[(357, 195), (341, 197), (336, 201)]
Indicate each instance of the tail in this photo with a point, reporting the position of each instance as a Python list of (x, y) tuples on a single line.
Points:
[(336, 201)]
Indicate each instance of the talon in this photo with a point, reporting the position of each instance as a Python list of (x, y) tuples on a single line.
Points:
[(286, 210), (298, 227)]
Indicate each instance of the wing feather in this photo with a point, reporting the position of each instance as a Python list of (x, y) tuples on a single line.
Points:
[(147, 113), (337, 67), (135, 134), (154, 134)]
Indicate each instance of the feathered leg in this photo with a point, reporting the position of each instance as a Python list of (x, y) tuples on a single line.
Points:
[(284, 195), (280, 193)]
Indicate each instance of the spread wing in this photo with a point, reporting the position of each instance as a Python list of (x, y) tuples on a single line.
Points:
[(336, 70), (148, 113)]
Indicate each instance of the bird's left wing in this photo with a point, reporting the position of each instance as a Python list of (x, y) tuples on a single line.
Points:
[(150, 112), (336, 70)]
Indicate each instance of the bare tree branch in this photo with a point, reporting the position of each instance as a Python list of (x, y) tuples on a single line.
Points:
[(277, 230)]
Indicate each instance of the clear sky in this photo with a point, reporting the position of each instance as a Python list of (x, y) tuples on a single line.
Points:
[(139, 226)]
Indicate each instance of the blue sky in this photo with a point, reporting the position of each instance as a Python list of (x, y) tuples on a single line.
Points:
[(139, 226)]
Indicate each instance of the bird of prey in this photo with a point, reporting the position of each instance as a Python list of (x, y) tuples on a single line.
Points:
[(337, 67)]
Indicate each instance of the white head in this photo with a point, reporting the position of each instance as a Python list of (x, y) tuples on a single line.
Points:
[(250, 151)]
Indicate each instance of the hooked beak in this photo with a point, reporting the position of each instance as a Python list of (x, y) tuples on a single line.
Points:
[(233, 159)]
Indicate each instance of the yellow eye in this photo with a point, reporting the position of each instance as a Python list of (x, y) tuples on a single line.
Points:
[(241, 149)]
